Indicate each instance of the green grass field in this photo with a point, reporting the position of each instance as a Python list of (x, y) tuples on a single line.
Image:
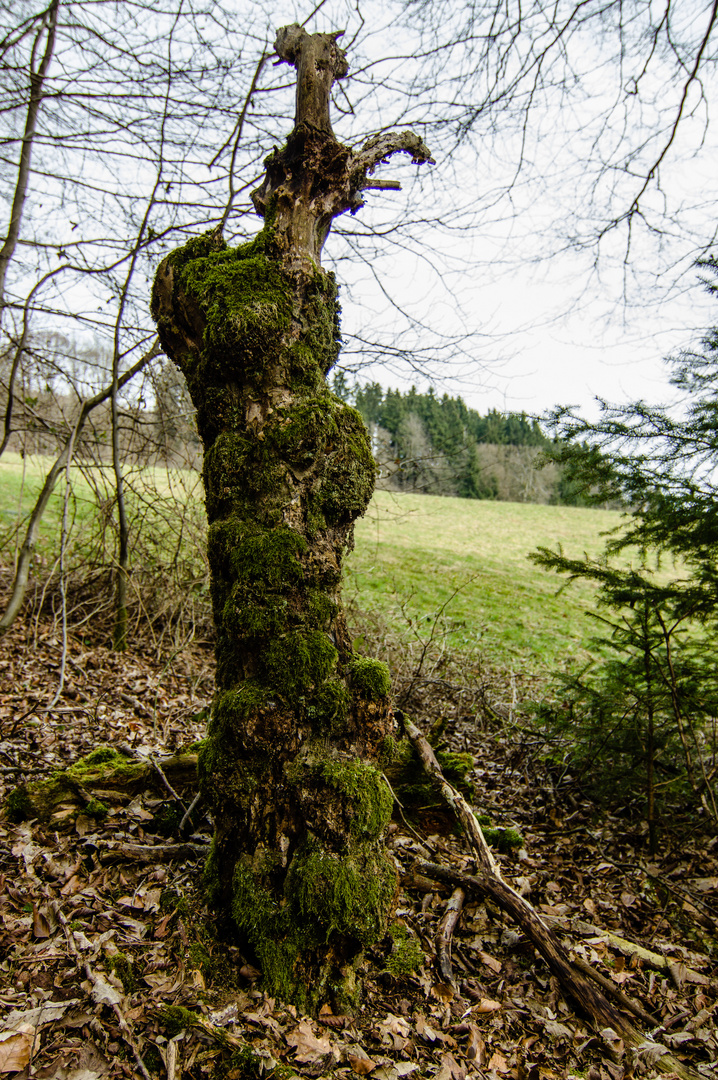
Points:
[(413, 552), (417, 550)]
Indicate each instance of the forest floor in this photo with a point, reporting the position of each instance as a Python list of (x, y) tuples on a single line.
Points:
[(108, 968)]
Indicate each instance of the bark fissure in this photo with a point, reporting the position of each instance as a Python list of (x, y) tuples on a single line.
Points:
[(300, 726)]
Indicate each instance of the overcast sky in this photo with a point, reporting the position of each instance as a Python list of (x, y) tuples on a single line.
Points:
[(480, 275)]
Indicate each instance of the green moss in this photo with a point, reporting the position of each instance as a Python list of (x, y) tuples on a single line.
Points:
[(172, 900), (210, 874), (504, 840), (388, 752), (407, 954), (348, 482), (325, 894), (230, 711), (329, 707), (243, 1064), (247, 304), (370, 678), (455, 766), (175, 1019), (366, 792), (348, 894), (101, 755), (297, 662), (102, 762), (121, 966), (198, 957), (167, 818), (96, 809), (18, 805)]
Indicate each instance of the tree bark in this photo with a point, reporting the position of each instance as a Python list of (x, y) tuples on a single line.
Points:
[(300, 726)]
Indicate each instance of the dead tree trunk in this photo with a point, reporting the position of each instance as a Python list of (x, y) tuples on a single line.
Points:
[(300, 724)]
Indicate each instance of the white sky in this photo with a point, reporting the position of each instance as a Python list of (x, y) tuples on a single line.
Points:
[(502, 263)]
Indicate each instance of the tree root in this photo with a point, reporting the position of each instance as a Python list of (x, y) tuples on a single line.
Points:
[(488, 882), (447, 926)]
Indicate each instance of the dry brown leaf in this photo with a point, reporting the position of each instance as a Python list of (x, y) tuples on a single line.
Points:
[(16, 1047), (443, 992), (308, 1048), (394, 1031), (554, 1030), (103, 993), (498, 1063), (359, 1060), (449, 1069), (486, 1005), (40, 925), (426, 1031), (614, 1043), (476, 1047), (490, 961), (163, 926)]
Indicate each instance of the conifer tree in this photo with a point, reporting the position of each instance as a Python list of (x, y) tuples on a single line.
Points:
[(652, 700)]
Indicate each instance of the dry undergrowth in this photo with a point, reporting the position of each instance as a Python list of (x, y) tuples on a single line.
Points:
[(108, 968)]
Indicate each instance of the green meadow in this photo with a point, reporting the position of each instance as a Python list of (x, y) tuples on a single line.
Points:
[(416, 556), (420, 552)]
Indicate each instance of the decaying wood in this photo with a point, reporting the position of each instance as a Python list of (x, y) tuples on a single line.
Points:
[(647, 956), (423, 884), (152, 853), (314, 178), (53, 799), (615, 992), (445, 931), (488, 882)]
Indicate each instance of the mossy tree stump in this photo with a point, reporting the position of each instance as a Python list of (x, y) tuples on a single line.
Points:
[(299, 724)]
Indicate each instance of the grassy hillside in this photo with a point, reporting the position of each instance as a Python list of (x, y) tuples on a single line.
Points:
[(417, 550), (412, 552)]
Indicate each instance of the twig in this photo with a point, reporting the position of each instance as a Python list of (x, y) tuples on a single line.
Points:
[(97, 984), (171, 1059), (188, 812), (168, 787), (454, 906), (422, 840), (147, 853)]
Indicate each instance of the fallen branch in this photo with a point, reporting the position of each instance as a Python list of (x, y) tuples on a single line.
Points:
[(629, 949), (151, 853), (445, 931), (88, 779), (489, 882), (168, 787), (615, 992)]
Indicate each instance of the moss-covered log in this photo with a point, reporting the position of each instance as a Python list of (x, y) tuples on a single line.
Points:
[(299, 724), (102, 776)]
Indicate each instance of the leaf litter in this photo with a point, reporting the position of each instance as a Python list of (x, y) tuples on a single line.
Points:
[(107, 968)]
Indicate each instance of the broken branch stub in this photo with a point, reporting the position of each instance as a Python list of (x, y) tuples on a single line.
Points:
[(315, 178)]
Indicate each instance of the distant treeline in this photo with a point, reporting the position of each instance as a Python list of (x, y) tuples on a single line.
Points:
[(440, 446)]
